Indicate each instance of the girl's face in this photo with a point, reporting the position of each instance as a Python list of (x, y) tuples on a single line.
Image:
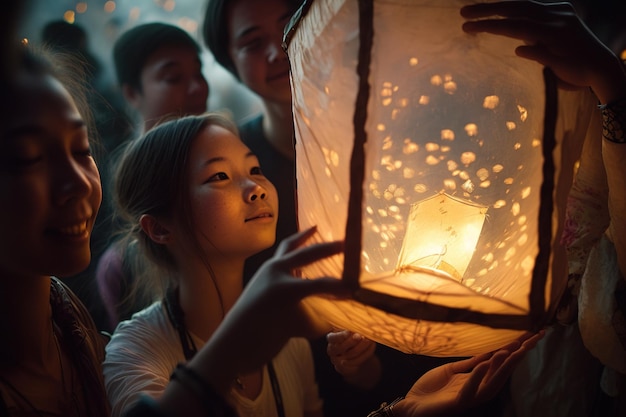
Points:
[(234, 207), (49, 184), (255, 43)]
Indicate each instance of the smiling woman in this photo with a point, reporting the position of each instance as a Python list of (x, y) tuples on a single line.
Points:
[(51, 193), (48, 152)]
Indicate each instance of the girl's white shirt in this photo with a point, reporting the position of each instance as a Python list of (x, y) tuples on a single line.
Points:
[(144, 351)]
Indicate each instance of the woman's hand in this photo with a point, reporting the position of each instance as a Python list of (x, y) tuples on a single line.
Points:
[(265, 316), (555, 36), (353, 356), (269, 311), (348, 351), (458, 386)]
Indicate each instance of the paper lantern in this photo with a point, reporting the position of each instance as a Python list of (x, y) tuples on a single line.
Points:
[(432, 153)]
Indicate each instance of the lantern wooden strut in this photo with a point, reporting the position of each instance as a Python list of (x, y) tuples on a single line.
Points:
[(431, 152)]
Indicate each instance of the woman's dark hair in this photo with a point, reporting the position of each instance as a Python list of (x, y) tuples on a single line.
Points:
[(134, 47), (67, 68), (215, 30)]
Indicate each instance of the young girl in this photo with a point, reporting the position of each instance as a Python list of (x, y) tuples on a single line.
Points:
[(199, 205), (51, 354)]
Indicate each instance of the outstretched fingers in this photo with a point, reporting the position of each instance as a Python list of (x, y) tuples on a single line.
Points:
[(291, 255), (523, 9), (328, 286), (296, 240), (302, 256), (469, 392), (528, 21), (527, 31), (466, 365), (505, 360), (485, 380)]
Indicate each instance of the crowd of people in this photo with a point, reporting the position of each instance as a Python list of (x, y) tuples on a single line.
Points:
[(191, 299)]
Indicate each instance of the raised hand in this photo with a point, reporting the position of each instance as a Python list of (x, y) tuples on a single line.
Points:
[(458, 386), (555, 36), (269, 311), (348, 351), (353, 356)]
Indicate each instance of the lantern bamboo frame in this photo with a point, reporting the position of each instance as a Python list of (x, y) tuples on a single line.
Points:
[(538, 314)]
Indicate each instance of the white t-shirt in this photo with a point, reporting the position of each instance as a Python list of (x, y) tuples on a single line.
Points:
[(144, 351)]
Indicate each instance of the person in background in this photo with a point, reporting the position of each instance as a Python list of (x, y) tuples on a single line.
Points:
[(72, 38), (159, 70)]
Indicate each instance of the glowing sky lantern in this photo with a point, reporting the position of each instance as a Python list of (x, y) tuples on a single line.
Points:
[(431, 152)]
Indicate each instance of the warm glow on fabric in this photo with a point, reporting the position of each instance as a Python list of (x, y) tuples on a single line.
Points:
[(444, 200)]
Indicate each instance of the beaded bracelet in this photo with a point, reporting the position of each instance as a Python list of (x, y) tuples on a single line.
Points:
[(385, 410), (614, 121), (212, 401)]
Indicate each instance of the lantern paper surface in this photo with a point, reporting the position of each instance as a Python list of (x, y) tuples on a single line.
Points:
[(449, 205)]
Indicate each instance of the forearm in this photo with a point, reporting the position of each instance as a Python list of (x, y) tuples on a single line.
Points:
[(614, 155), (195, 389), (609, 80)]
